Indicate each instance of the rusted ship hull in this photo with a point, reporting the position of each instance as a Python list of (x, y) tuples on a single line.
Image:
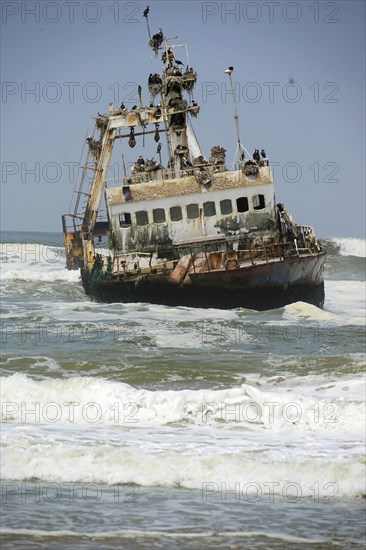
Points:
[(260, 287)]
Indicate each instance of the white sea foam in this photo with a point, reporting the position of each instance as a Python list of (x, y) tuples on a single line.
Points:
[(190, 438), (28, 253), (134, 533), (104, 402), (344, 305), (304, 311), (35, 276), (351, 247), (34, 262), (347, 300), (322, 388), (187, 460)]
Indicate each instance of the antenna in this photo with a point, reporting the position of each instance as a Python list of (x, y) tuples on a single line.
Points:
[(239, 146)]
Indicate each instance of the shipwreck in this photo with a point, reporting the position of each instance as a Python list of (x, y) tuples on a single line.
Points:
[(193, 230)]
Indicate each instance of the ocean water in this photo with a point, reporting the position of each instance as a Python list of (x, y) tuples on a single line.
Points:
[(145, 426)]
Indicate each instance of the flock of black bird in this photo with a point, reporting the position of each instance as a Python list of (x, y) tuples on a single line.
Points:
[(155, 83), (257, 156), (155, 79)]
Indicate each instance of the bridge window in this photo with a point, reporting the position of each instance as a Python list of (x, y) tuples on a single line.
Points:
[(209, 209), (125, 219), (226, 207), (192, 211), (176, 213), (258, 202), (159, 215), (142, 217), (242, 204)]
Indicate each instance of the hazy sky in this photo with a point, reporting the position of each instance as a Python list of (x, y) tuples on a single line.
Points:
[(299, 75)]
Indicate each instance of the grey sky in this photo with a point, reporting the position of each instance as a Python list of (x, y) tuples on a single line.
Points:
[(314, 129)]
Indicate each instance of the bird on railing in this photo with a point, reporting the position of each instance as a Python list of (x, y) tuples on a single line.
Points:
[(168, 56)]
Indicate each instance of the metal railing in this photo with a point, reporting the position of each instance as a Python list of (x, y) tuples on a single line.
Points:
[(255, 253), (72, 223)]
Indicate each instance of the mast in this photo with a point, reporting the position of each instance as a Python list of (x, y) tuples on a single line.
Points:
[(239, 146), (96, 192), (175, 107)]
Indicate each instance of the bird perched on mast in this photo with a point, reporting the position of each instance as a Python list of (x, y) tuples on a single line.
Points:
[(156, 41), (229, 70), (146, 15), (154, 84)]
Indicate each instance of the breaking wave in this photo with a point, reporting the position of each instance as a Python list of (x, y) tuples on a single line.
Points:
[(248, 473), (34, 262), (96, 401), (345, 247)]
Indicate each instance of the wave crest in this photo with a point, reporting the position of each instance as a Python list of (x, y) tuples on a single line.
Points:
[(345, 247)]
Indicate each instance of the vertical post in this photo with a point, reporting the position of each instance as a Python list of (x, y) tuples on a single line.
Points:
[(229, 71), (251, 252), (148, 26)]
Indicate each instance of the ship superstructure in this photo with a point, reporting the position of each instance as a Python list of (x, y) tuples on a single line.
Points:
[(179, 232)]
